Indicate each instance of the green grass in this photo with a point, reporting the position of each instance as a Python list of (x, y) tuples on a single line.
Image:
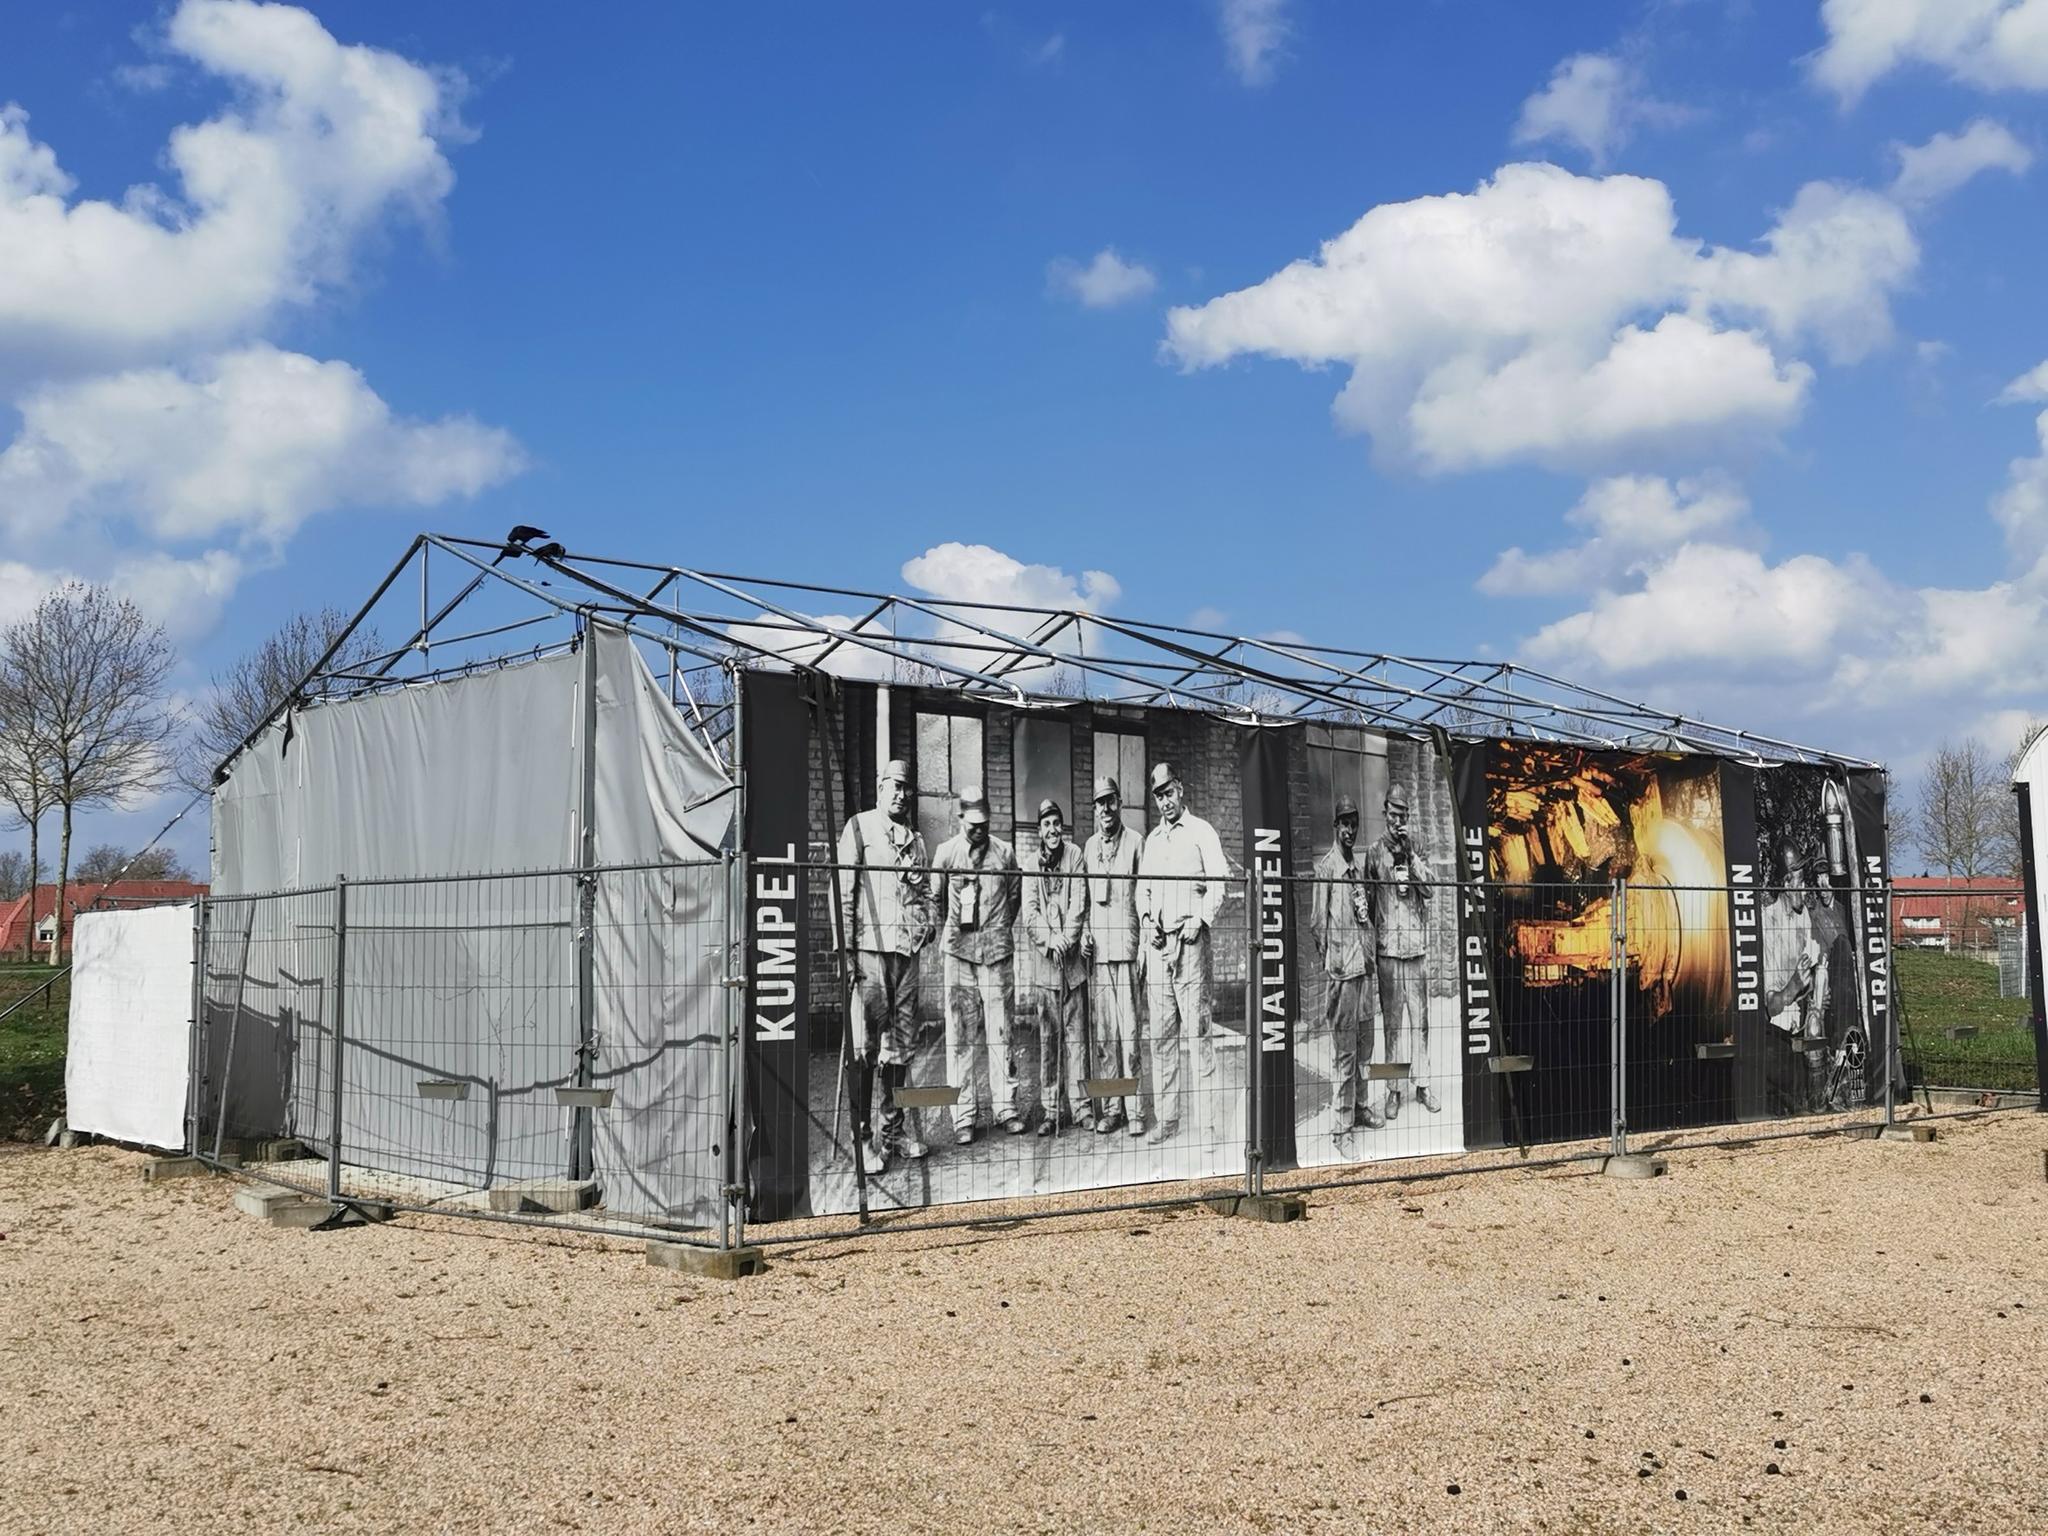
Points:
[(32, 1051), (1941, 992)]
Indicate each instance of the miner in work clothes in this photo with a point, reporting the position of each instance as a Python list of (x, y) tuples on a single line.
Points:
[(1181, 879), (976, 885), (1340, 922), (1110, 946), (1400, 919), (1055, 911), (886, 912)]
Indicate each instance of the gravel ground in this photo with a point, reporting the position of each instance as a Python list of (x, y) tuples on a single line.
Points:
[(1797, 1336)]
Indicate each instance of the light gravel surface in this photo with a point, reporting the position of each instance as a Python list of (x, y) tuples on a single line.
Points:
[(1536, 1350)]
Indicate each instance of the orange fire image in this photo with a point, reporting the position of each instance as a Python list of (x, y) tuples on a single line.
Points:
[(1564, 823)]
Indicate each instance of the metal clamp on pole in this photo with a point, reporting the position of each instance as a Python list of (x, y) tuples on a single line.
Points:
[(1617, 1009)]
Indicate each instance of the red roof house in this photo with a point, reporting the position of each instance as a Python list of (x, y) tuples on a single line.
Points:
[(1954, 912), (16, 925)]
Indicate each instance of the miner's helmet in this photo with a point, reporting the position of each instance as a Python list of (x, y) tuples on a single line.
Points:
[(896, 771), (1397, 797), (1105, 789), (1051, 807), (1163, 775), (974, 806), (1346, 806)]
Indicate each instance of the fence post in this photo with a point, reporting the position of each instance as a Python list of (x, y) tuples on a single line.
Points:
[(581, 1139), (194, 1065), (1254, 1160), (338, 1024), (1891, 1012), (1617, 1012)]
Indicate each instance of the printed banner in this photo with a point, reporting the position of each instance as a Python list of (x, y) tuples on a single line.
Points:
[(1269, 857), (1874, 940), (1746, 899), (776, 731)]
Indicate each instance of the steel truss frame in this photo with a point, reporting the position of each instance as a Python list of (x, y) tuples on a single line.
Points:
[(709, 625)]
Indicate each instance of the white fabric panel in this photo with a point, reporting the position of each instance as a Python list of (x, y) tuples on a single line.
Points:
[(475, 979), (127, 1063)]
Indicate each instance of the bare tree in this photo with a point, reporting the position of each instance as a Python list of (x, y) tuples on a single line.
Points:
[(24, 786), (1958, 819), (15, 879), (2007, 848), (249, 692), (106, 861), (87, 670)]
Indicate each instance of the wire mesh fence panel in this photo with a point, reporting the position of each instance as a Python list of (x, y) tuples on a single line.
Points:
[(263, 1056), (461, 1021), (1380, 1064), (989, 1029), (1963, 967)]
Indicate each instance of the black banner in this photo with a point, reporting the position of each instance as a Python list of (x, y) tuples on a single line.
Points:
[(1482, 1034), (776, 725), (1746, 879), (1873, 884), (1268, 860)]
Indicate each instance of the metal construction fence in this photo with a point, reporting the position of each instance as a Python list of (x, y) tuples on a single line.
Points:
[(585, 1048)]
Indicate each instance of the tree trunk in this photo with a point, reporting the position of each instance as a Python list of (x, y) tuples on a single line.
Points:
[(35, 876), (63, 872)]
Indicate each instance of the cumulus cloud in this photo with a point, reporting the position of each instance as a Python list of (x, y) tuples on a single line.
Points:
[(271, 198), (163, 445), (1715, 604), (1027, 595), (1628, 518), (1561, 319), (1102, 283), (2029, 386), (1254, 33), (976, 573), (1996, 44), (1931, 171), (250, 443), (1673, 594), (1593, 102)]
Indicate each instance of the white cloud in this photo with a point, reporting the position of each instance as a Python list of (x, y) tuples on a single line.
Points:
[(1827, 272), (186, 596), (1104, 282), (1713, 604), (1628, 518), (2021, 508), (1997, 44), (967, 573), (1050, 50), (1594, 102), (271, 197), (247, 444), (1931, 171), (975, 573), (1561, 319), (2029, 387), (1254, 32)]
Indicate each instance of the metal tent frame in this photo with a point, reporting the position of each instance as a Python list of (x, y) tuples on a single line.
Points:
[(483, 603)]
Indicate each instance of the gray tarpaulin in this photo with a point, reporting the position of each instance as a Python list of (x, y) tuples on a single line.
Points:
[(474, 980)]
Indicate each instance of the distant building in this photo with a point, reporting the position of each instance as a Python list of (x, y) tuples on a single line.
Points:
[(32, 917), (1954, 912)]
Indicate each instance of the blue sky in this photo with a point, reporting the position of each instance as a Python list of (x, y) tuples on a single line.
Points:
[(814, 290)]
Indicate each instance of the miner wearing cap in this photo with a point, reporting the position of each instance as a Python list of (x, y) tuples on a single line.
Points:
[(1055, 914), (1340, 923), (1181, 880), (885, 918), (1109, 944), (975, 883), (1398, 876)]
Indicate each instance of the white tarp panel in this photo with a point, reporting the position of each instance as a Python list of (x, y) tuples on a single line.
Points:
[(129, 1056), (475, 980)]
